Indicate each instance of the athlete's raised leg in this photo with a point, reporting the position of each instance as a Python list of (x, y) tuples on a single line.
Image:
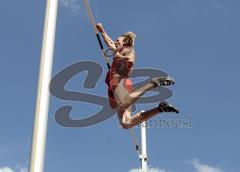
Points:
[(125, 99)]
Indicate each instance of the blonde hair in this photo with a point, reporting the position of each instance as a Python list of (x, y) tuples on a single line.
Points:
[(129, 38)]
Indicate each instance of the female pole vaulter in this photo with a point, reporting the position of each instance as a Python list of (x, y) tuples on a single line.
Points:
[(120, 90)]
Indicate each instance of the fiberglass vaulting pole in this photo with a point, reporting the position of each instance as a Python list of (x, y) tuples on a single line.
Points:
[(42, 101)]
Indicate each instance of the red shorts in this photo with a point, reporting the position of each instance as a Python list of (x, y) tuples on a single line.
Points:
[(113, 85)]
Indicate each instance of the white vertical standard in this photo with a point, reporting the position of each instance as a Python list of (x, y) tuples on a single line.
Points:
[(143, 156), (42, 101)]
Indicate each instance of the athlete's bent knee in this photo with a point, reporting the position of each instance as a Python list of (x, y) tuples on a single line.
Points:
[(126, 125)]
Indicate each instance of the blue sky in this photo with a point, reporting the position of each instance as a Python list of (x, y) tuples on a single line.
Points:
[(196, 42)]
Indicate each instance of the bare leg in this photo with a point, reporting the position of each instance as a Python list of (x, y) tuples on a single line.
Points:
[(124, 114), (125, 99), (127, 121)]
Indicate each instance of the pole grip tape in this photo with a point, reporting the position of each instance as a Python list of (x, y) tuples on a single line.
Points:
[(99, 41), (108, 65)]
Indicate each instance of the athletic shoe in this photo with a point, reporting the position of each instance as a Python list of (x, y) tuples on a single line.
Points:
[(162, 81), (166, 107)]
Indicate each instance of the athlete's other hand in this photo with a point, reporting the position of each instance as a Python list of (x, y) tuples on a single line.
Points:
[(99, 27)]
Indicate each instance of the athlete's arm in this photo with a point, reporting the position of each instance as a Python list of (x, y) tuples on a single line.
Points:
[(106, 38)]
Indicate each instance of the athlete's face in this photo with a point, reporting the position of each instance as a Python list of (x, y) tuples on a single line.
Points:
[(119, 42)]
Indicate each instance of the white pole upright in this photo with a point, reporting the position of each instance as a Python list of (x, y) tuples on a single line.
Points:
[(42, 101), (143, 156)]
